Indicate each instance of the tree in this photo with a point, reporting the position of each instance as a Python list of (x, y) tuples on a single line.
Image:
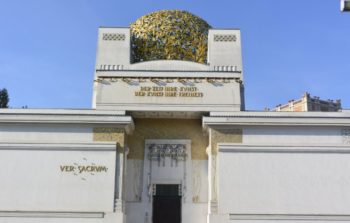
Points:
[(4, 98)]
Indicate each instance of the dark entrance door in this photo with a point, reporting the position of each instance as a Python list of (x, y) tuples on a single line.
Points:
[(167, 204)]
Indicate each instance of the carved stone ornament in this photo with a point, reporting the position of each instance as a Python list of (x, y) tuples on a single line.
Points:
[(158, 152)]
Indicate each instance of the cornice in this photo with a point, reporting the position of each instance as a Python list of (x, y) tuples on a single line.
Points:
[(66, 116), (168, 74), (278, 148), (277, 119), (105, 146)]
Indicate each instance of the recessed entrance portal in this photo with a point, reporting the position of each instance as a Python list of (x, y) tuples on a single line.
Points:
[(167, 203)]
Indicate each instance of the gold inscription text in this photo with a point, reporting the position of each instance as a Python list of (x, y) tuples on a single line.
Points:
[(155, 91)]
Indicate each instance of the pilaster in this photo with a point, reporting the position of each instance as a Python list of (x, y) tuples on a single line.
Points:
[(117, 135), (217, 136)]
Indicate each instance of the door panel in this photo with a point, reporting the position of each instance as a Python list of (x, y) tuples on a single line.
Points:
[(167, 204)]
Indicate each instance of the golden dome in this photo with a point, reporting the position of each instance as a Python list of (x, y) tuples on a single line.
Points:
[(169, 35)]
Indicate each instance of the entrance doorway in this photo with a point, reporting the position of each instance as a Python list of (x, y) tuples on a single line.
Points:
[(167, 203)]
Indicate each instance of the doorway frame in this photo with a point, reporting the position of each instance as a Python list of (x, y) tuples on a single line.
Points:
[(185, 181)]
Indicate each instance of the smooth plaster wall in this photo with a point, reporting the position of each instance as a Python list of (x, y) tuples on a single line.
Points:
[(288, 135), (60, 133), (282, 182), (35, 181), (53, 133)]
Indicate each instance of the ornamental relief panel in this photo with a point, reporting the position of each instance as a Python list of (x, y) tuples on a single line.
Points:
[(159, 152)]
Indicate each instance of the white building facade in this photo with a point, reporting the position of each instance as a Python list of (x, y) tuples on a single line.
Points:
[(169, 141)]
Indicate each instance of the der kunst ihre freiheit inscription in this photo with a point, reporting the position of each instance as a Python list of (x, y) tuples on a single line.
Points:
[(157, 91)]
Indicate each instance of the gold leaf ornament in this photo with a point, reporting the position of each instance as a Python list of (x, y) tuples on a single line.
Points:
[(169, 35)]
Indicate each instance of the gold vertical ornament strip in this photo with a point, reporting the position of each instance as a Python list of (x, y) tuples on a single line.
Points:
[(224, 136), (104, 134)]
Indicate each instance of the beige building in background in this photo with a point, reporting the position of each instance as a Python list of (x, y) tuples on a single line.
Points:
[(308, 103), (168, 140)]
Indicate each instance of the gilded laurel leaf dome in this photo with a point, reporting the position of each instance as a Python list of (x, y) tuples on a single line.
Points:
[(169, 35)]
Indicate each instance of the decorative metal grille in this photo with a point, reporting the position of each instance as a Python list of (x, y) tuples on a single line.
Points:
[(113, 36), (225, 38), (159, 152)]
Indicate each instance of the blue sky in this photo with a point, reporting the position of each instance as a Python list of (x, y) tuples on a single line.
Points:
[(47, 47)]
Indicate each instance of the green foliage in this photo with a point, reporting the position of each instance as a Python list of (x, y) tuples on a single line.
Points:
[(4, 98)]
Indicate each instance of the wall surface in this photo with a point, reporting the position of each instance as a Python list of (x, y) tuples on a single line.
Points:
[(57, 180), (167, 91), (54, 171), (290, 182), (285, 173), (55, 133), (293, 135)]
